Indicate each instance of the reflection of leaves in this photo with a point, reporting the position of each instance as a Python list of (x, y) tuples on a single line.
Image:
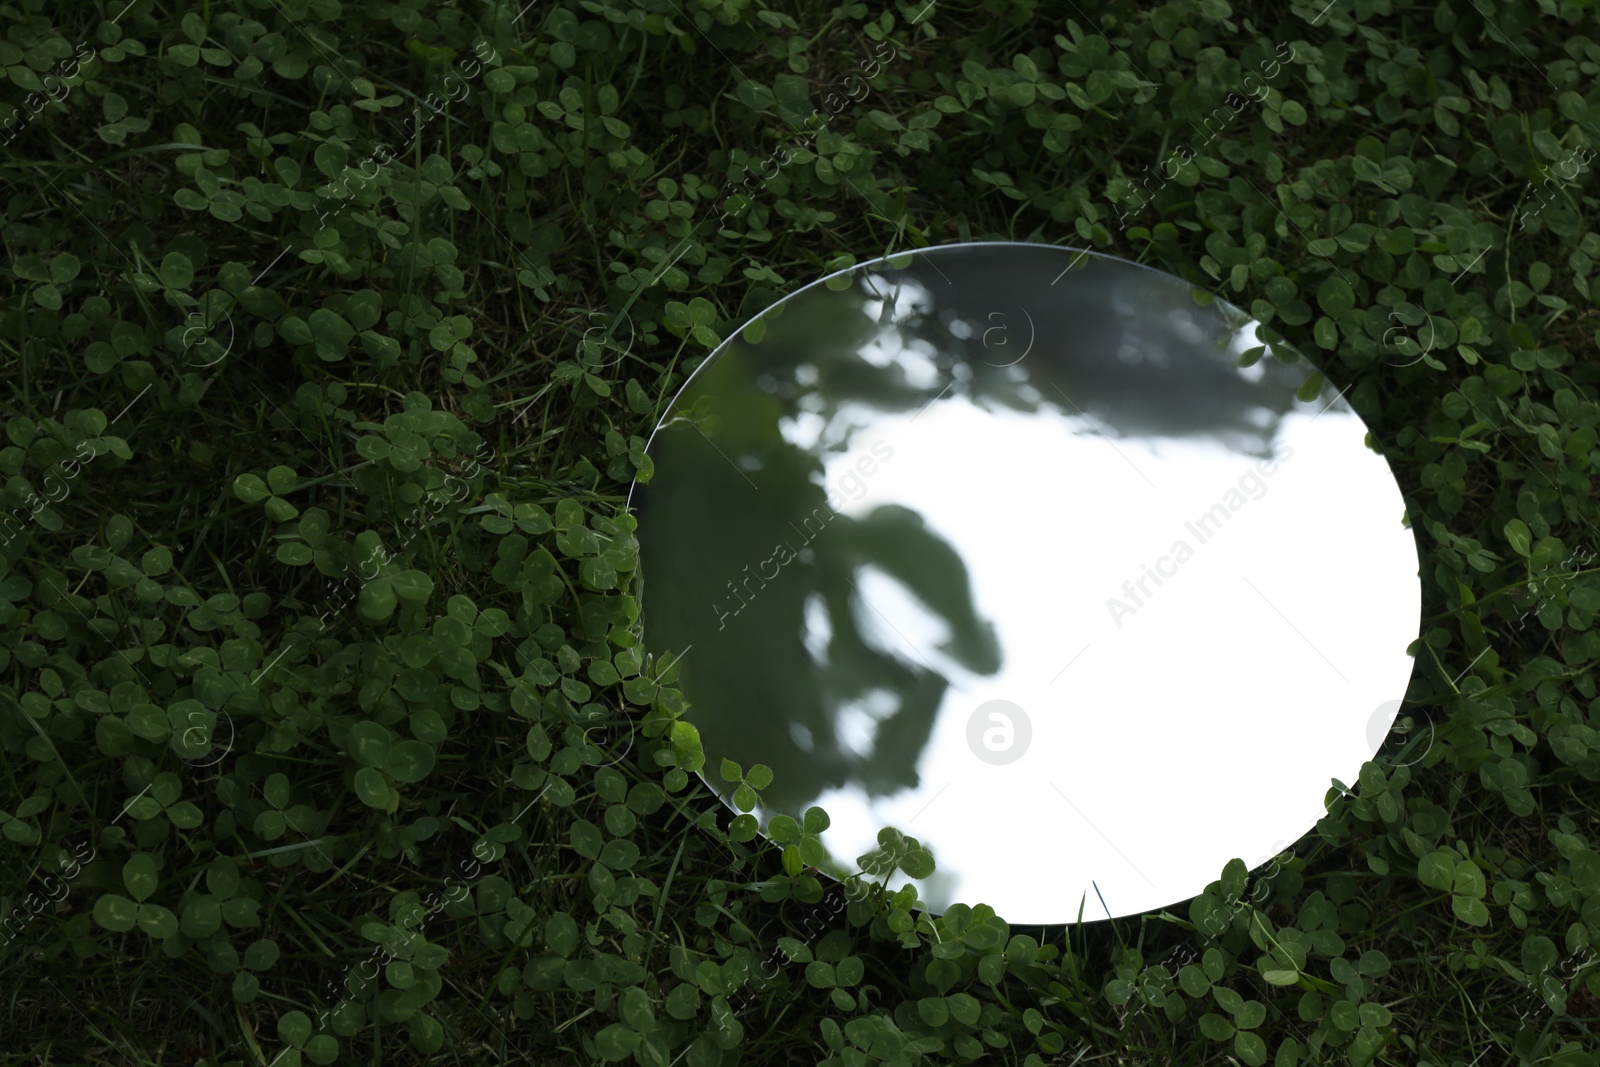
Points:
[(896, 539), (730, 424)]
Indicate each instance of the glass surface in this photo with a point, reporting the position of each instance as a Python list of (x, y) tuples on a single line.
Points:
[(1002, 545)]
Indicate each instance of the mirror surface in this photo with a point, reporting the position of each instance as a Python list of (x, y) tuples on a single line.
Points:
[(1034, 555)]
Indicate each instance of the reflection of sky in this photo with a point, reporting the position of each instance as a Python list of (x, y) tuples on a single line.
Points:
[(1168, 732)]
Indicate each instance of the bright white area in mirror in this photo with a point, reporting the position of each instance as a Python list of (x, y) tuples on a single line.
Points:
[(1246, 674)]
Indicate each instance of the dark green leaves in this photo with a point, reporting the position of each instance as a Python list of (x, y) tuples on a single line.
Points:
[(330, 333), (1335, 296), (368, 744), (411, 586), (384, 760), (362, 309), (410, 761), (1518, 537), (561, 934), (176, 271), (373, 789), (378, 599), (1445, 871), (250, 488), (115, 912), (616, 1042), (119, 914), (200, 919), (139, 875)]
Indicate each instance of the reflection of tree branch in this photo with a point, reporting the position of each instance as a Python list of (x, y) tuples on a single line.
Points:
[(1133, 348), (1177, 335)]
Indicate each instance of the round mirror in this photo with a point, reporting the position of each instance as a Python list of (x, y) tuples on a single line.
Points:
[(1036, 557)]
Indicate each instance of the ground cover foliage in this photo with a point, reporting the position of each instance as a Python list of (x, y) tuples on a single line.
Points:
[(331, 336)]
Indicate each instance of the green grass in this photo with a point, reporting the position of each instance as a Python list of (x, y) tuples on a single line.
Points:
[(316, 603)]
